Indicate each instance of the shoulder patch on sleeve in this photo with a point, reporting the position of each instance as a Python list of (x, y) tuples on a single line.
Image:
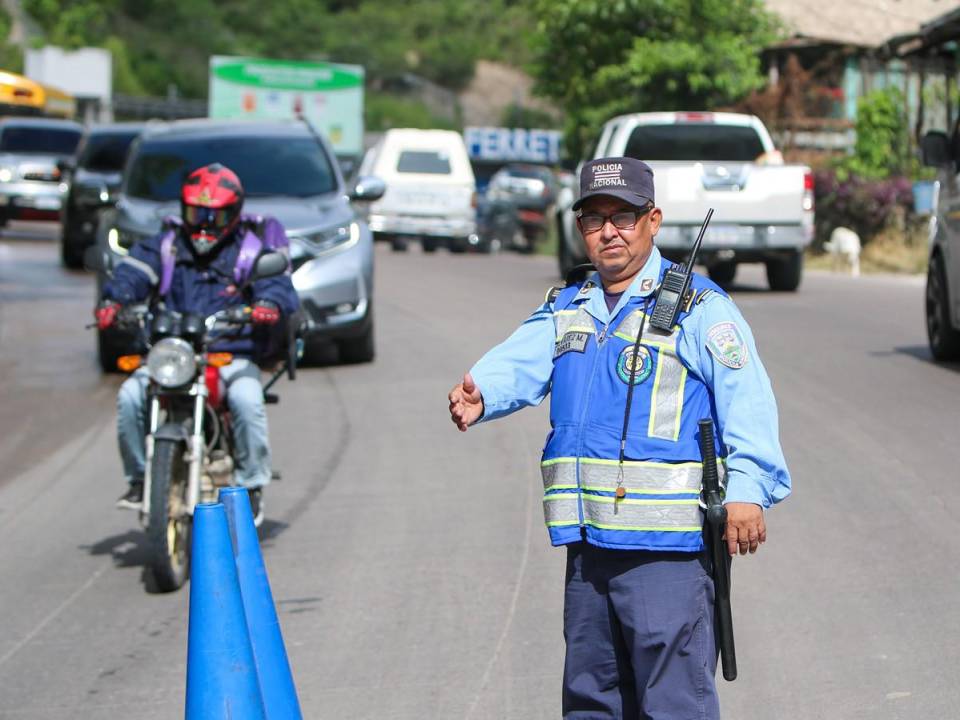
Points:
[(725, 342)]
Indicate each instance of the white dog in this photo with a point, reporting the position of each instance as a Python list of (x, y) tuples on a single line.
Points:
[(844, 246)]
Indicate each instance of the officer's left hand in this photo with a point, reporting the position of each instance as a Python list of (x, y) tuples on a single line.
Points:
[(745, 527)]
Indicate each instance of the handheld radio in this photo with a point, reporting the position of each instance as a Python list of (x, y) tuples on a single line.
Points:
[(673, 287)]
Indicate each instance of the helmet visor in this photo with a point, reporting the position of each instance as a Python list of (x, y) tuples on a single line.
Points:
[(204, 218)]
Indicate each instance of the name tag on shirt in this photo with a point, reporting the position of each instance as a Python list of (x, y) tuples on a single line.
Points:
[(571, 342)]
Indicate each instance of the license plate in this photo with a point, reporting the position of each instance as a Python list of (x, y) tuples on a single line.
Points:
[(728, 234), (47, 203)]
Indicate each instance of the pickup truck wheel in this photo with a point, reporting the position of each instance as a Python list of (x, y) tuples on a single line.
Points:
[(458, 245), (784, 275), (399, 244), (943, 338), (722, 273), (429, 244)]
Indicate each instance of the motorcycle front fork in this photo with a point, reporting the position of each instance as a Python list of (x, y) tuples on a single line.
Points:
[(196, 448)]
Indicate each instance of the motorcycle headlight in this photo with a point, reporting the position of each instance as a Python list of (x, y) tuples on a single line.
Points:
[(171, 362)]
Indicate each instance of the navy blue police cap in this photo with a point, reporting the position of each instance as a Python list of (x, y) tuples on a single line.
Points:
[(624, 178)]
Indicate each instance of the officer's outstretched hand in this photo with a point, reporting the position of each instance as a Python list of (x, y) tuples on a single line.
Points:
[(466, 403), (745, 527)]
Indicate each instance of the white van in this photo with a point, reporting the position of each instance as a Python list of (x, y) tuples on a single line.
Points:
[(431, 191)]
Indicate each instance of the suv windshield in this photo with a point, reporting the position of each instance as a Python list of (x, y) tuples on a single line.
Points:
[(695, 142), (40, 140), (292, 166), (105, 152)]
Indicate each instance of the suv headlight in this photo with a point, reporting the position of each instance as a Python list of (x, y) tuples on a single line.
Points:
[(171, 362), (330, 238), (91, 194)]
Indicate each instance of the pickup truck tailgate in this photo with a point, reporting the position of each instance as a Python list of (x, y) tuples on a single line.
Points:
[(743, 193)]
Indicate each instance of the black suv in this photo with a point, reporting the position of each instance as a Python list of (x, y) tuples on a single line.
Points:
[(94, 181)]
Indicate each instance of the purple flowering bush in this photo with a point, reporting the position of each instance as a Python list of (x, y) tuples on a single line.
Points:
[(867, 207)]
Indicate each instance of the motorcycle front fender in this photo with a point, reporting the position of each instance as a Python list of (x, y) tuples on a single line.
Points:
[(172, 431)]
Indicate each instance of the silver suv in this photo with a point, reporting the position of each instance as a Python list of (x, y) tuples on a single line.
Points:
[(943, 271), (288, 171), (32, 151)]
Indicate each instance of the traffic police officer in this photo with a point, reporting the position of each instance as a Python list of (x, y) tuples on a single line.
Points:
[(622, 467)]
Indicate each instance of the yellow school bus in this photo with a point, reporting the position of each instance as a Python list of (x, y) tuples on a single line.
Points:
[(22, 96)]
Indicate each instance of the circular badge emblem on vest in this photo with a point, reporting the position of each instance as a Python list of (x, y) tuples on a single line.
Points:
[(627, 361)]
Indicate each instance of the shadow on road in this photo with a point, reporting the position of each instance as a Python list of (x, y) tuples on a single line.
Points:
[(129, 549), (918, 352)]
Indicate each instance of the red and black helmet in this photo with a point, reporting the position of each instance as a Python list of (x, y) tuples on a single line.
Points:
[(211, 199)]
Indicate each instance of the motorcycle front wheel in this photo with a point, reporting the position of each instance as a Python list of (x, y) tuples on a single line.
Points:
[(169, 524)]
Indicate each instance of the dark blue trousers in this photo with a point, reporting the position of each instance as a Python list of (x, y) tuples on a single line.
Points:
[(639, 629)]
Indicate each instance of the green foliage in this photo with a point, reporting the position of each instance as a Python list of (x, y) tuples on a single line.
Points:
[(601, 58), (383, 111), (882, 148), (164, 42), (11, 56), (521, 116)]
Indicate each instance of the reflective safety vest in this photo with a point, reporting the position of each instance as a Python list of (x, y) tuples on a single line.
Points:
[(661, 471)]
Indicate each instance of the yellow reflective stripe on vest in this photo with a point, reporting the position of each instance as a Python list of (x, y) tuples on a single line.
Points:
[(666, 399), (646, 515), (639, 477), (578, 320)]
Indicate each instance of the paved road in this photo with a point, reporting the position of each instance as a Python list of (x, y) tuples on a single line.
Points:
[(411, 569)]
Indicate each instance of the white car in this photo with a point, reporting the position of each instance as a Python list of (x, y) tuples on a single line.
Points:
[(431, 190)]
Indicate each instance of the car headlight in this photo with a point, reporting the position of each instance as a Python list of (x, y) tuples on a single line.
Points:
[(6, 174), (91, 194), (171, 362), (330, 238)]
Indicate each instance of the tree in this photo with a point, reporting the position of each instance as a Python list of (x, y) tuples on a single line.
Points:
[(601, 58)]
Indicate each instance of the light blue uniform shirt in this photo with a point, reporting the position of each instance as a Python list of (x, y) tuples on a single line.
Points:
[(517, 372)]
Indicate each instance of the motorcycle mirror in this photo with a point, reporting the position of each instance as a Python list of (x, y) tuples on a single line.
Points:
[(269, 264)]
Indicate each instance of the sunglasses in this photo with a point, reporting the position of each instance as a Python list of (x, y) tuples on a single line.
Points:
[(623, 220)]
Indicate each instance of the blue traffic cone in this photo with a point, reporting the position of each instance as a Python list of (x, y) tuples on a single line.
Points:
[(221, 673), (273, 667)]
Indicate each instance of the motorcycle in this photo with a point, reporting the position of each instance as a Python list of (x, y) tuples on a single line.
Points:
[(189, 443)]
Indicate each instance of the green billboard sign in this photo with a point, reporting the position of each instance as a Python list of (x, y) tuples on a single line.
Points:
[(329, 95)]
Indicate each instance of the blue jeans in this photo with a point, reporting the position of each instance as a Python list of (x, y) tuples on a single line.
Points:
[(245, 400), (640, 636)]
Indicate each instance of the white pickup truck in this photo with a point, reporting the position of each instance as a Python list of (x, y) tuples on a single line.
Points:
[(727, 161)]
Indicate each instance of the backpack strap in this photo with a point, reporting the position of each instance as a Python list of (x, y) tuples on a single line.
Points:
[(250, 248)]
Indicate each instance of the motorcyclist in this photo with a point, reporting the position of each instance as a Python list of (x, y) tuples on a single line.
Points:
[(203, 257)]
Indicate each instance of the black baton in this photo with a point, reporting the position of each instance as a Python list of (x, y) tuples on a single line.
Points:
[(714, 526)]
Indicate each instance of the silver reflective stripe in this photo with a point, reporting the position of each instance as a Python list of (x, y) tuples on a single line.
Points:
[(652, 515), (561, 509), (628, 328), (578, 320), (666, 401), (142, 267), (638, 476)]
